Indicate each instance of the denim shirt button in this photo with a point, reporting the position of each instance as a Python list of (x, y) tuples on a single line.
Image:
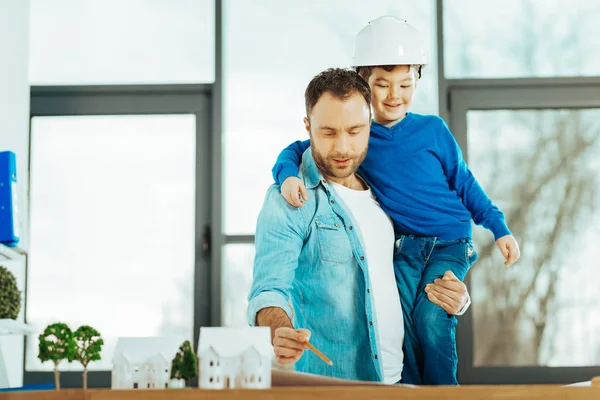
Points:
[(362, 257), (368, 290), (375, 356), (332, 202), (370, 322), (350, 227)]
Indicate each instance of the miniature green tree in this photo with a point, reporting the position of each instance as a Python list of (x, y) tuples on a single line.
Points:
[(10, 295), (185, 364), (88, 345), (56, 344)]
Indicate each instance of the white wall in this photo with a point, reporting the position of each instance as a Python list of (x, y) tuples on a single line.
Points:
[(14, 135)]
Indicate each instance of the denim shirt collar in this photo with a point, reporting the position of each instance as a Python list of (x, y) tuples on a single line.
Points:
[(310, 173)]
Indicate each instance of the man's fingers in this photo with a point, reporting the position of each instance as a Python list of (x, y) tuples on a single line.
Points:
[(441, 290), (437, 302), (288, 343), (445, 296), (287, 360), (456, 286), (288, 333), (286, 352)]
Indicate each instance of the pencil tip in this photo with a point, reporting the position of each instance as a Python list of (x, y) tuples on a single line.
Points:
[(331, 363)]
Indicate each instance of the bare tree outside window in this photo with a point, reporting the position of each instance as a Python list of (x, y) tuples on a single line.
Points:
[(540, 167)]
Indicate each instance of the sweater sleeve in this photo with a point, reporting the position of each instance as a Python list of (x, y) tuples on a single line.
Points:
[(289, 160), (461, 179)]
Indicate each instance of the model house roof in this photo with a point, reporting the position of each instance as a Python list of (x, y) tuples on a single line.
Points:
[(144, 349), (231, 342)]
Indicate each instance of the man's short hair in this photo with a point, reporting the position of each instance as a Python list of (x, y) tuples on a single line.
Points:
[(340, 82), (365, 72)]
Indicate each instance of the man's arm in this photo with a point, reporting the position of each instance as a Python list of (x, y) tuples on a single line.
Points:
[(289, 160), (280, 234), (275, 318)]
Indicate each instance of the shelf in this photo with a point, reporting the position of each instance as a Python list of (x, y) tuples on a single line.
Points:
[(11, 253), (12, 327)]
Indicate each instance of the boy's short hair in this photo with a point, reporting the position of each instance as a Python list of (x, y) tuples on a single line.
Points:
[(365, 71), (340, 82)]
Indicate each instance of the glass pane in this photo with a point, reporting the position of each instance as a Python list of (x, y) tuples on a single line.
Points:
[(266, 70), (521, 38), (112, 227), (74, 42), (541, 168), (238, 263)]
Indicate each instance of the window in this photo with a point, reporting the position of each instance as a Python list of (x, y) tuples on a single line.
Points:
[(540, 167), (264, 93), (112, 205), (520, 38), (117, 42), (236, 282)]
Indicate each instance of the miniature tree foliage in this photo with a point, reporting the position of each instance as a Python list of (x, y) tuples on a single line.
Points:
[(10, 295), (88, 345), (185, 364), (56, 344)]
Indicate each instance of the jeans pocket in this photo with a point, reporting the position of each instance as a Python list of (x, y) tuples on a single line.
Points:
[(471, 255), (334, 243), (398, 244)]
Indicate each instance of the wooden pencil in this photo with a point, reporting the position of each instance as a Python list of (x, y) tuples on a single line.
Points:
[(321, 355)]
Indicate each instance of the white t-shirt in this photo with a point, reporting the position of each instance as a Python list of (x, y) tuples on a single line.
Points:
[(377, 233)]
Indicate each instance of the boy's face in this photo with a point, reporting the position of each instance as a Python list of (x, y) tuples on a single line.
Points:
[(392, 92)]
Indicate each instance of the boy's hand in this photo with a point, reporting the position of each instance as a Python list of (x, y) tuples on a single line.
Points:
[(290, 189), (289, 344), (509, 248)]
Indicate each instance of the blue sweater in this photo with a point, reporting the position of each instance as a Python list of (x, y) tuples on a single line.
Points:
[(417, 172)]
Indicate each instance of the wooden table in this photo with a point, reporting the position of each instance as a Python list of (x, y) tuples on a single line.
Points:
[(508, 392)]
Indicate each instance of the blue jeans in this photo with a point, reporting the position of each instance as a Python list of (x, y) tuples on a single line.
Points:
[(429, 332)]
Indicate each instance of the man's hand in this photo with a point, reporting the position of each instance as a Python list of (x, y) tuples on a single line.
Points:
[(448, 292), (289, 344), (509, 248), (290, 189)]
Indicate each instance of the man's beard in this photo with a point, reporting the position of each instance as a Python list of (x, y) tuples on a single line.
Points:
[(327, 166)]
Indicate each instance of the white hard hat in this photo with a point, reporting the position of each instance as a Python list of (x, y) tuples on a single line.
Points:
[(388, 40)]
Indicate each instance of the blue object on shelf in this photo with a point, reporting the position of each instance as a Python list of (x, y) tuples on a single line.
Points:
[(9, 213), (39, 386)]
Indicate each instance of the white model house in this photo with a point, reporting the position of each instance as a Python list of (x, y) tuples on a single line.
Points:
[(235, 358), (143, 363)]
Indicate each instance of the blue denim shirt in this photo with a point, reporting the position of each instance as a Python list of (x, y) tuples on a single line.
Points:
[(309, 262)]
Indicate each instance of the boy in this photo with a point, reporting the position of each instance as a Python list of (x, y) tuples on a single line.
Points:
[(416, 170)]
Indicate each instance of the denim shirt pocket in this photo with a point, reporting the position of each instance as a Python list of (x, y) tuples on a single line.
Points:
[(333, 240)]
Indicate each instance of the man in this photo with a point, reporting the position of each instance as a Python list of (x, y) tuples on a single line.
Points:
[(328, 267)]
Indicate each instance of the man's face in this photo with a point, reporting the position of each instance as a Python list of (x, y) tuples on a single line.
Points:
[(392, 92), (339, 134)]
